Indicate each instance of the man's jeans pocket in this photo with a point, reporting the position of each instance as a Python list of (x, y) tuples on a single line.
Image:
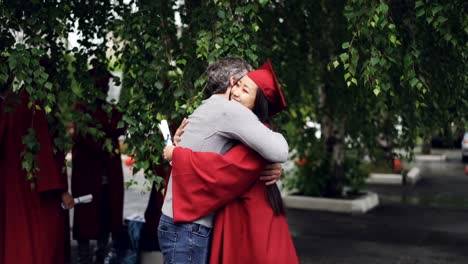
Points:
[(202, 231), (183, 243), (167, 243)]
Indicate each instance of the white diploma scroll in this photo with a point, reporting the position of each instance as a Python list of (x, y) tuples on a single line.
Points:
[(164, 127), (82, 199)]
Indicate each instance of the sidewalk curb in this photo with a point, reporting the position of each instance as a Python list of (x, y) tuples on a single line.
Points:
[(355, 206), (413, 176), (442, 157)]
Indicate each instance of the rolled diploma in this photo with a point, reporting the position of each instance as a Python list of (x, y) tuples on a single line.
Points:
[(164, 127)]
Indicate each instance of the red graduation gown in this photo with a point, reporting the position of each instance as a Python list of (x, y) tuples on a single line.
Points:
[(88, 161), (63, 250), (245, 229), (30, 227), (2, 184)]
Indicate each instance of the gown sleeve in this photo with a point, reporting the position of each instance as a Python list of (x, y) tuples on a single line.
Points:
[(203, 182)]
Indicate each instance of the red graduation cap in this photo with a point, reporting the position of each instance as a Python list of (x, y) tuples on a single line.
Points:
[(265, 79)]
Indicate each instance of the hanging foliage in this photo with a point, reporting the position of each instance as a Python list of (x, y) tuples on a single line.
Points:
[(352, 71)]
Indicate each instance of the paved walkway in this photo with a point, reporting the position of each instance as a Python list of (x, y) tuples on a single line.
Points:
[(426, 224)]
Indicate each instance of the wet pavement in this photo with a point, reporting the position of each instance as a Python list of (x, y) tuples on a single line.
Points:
[(422, 224), (426, 223)]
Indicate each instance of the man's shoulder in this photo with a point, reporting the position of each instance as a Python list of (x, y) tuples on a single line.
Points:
[(207, 106), (220, 104), (233, 108)]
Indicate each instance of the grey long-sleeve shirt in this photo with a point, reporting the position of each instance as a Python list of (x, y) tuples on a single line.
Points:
[(215, 126)]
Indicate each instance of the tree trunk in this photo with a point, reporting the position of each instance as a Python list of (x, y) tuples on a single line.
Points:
[(335, 186), (333, 133), (426, 146)]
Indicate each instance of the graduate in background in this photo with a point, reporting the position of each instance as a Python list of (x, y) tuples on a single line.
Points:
[(31, 218), (99, 172)]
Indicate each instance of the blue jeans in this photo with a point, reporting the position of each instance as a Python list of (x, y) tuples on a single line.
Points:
[(183, 243)]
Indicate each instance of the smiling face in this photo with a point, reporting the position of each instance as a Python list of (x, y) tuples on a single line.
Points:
[(245, 92)]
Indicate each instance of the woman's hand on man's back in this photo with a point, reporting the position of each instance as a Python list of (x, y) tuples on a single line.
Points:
[(271, 173)]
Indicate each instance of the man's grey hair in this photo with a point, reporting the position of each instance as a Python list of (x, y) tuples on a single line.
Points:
[(222, 70)]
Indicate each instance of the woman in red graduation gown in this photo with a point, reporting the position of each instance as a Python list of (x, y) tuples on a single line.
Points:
[(250, 225), (31, 225), (99, 172)]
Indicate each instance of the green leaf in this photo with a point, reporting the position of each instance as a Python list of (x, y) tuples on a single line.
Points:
[(419, 3), (158, 85), (121, 124), (374, 61), (441, 19), (376, 18), (448, 37), (44, 75), (336, 64), (376, 90), (3, 77), (76, 89), (12, 62), (48, 85), (384, 8), (179, 92), (182, 62), (255, 27), (252, 56), (221, 14), (27, 165), (346, 76), (148, 75), (436, 9), (420, 13), (51, 98), (345, 45), (344, 57)]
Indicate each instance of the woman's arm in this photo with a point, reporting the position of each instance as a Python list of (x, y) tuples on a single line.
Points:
[(203, 182)]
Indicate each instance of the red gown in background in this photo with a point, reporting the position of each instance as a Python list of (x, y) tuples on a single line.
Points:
[(88, 162), (3, 121), (32, 223), (245, 228), (63, 238)]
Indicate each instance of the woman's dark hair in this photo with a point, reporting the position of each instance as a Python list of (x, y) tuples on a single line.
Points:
[(274, 195)]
